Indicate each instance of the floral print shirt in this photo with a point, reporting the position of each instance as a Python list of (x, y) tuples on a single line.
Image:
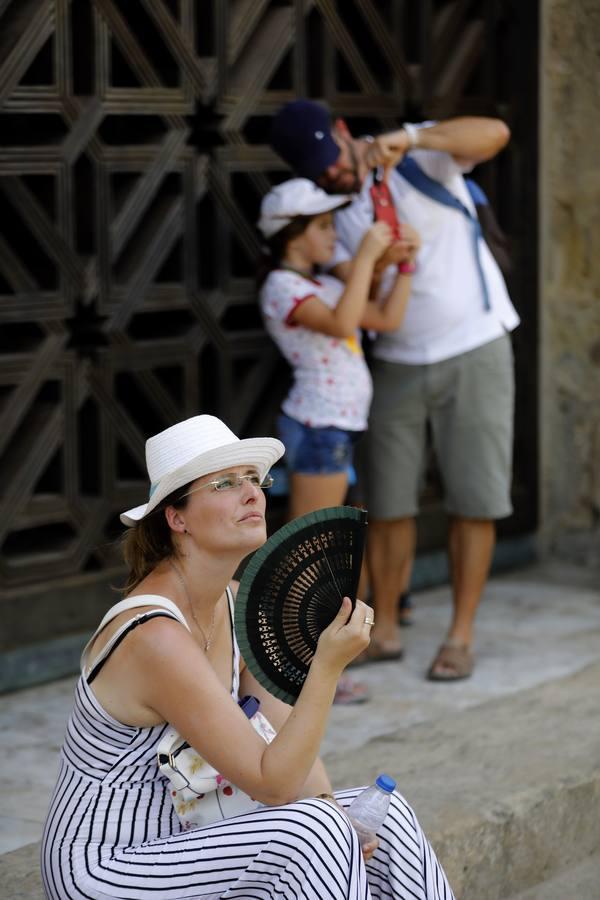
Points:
[(332, 384)]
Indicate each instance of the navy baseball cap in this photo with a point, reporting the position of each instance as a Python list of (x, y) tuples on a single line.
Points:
[(301, 135)]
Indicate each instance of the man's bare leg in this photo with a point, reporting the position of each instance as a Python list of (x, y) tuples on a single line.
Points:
[(390, 548), (405, 614), (471, 545)]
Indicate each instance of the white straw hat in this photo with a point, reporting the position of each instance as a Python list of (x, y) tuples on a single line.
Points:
[(296, 197), (195, 447)]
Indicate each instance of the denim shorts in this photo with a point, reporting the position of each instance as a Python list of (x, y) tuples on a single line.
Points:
[(315, 451)]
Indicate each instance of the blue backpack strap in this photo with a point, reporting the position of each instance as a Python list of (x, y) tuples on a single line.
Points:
[(421, 181), (478, 195), (410, 169)]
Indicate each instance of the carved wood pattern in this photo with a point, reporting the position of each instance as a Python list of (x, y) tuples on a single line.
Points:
[(134, 156)]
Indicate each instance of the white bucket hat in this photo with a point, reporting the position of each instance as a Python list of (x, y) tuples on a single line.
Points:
[(296, 197), (196, 447)]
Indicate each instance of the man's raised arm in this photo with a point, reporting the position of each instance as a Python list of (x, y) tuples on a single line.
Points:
[(469, 139)]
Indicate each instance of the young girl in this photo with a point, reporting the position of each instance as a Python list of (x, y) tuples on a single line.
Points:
[(315, 320)]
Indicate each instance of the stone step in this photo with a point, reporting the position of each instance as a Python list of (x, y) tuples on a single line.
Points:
[(507, 791), (20, 877), (580, 882), (503, 769)]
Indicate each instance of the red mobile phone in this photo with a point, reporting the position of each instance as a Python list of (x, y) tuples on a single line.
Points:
[(383, 205), (385, 211)]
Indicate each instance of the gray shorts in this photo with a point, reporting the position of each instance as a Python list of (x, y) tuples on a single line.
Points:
[(469, 401)]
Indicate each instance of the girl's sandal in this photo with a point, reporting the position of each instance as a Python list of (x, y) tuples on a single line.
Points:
[(452, 662), (349, 692)]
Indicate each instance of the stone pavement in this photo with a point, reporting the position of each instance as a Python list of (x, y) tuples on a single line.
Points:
[(503, 769)]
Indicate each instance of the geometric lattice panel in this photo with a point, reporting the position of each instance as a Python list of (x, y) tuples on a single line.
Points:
[(134, 157)]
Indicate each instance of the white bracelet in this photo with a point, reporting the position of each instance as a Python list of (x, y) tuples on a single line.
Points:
[(412, 132)]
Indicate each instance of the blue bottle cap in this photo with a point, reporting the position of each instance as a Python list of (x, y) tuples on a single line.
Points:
[(249, 705), (385, 783)]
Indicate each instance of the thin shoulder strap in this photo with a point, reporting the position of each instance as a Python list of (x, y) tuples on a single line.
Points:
[(230, 601), (167, 607), (235, 662)]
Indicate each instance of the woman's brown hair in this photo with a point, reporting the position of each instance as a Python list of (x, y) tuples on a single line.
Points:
[(150, 541)]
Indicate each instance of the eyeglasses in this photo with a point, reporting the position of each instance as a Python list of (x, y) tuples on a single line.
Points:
[(233, 481)]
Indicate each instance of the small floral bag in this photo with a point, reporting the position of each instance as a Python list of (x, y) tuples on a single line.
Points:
[(199, 793)]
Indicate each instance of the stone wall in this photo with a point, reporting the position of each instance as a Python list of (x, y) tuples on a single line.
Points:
[(570, 279)]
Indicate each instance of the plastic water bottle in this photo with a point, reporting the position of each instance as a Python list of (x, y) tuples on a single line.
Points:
[(367, 812)]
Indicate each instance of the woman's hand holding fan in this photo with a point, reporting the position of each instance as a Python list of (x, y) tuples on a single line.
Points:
[(346, 637), (290, 595)]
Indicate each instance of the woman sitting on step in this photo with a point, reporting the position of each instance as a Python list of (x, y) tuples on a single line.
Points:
[(166, 658)]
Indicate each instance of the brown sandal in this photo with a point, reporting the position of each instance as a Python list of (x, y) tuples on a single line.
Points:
[(455, 658), (376, 652)]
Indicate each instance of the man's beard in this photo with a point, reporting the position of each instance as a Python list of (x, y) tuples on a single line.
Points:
[(348, 181)]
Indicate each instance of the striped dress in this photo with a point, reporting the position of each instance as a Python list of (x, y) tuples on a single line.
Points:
[(112, 832)]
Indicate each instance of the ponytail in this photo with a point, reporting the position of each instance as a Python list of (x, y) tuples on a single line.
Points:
[(150, 541)]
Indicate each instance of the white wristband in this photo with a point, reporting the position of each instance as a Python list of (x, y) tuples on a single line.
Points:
[(412, 132)]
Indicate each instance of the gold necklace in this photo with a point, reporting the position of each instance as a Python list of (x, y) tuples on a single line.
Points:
[(207, 640)]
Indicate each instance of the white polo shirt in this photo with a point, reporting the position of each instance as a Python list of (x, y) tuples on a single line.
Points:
[(445, 315)]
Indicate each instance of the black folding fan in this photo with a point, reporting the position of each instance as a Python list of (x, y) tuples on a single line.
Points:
[(292, 589)]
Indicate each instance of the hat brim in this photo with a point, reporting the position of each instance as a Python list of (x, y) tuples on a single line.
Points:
[(259, 452), (270, 225)]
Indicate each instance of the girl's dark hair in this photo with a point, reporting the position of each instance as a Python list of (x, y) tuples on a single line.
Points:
[(276, 246), (150, 541)]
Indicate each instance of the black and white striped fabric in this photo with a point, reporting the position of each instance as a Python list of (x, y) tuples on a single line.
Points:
[(112, 832)]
